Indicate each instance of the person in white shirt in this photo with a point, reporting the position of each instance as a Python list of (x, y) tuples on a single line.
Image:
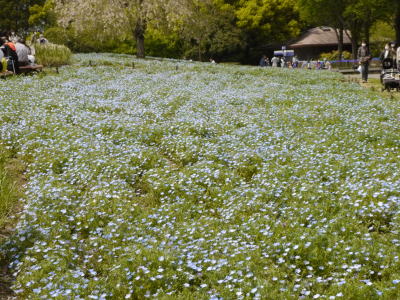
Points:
[(398, 58), (275, 61)]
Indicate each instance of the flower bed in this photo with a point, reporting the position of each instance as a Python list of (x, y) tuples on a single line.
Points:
[(195, 181)]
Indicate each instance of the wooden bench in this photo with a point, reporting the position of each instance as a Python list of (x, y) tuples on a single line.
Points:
[(6, 74), (30, 69)]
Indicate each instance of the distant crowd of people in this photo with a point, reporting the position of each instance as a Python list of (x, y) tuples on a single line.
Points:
[(390, 58), (293, 62), (15, 53)]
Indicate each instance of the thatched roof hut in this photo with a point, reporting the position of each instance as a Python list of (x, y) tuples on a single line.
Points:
[(319, 40)]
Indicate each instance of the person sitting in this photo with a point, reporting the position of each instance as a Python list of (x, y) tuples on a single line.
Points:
[(10, 53), (42, 40), (23, 52)]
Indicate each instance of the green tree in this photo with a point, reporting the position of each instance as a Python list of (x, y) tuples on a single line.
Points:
[(118, 17), (42, 16), (266, 22), (393, 13), (325, 12), (269, 20), (209, 29), (14, 15), (360, 16)]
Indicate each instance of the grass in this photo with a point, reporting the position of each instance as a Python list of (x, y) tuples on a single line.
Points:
[(203, 182), (52, 55), (11, 180), (375, 85), (9, 185)]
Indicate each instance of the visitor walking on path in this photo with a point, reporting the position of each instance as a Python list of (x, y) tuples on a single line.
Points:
[(364, 57)]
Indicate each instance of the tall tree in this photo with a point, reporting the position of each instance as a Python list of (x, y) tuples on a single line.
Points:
[(42, 16), (118, 16), (209, 27), (360, 16), (14, 15), (395, 4), (269, 20), (325, 12)]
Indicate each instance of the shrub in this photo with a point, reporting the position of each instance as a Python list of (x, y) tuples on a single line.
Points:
[(58, 35), (52, 55), (334, 55)]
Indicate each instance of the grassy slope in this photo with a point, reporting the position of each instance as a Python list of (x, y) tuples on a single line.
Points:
[(11, 180), (183, 180)]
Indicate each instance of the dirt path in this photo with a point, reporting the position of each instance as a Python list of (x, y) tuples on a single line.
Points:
[(373, 84)]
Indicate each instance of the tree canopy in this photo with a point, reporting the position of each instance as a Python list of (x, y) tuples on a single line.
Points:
[(14, 15)]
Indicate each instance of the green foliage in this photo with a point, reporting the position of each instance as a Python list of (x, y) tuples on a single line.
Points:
[(274, 20), (9, 193), (382, 31), (58, 35), (42, 16), (210, 31), (14, 15), (88, 41), (334, 55), (161, 44), (53, 55)]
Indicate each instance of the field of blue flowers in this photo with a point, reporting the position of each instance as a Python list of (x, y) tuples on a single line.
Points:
[(183, 180)]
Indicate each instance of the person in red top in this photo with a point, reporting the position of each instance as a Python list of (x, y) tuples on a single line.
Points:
[(10, 53)]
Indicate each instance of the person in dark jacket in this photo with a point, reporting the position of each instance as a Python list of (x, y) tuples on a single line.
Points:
[(393, 49), (10, 53), (364, 58), (263, 61)]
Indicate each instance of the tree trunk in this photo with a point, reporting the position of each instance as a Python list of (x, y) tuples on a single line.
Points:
[(397, 23), (340, 42), (367, 27), (199, 48), (354, 49), (355, 36), (140, 29)]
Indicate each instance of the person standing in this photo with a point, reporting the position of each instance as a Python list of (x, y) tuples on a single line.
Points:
[(393, 49), (263, 61), (275, 61), (398, 58), (283, 62), (388, 57), (364, 57)]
